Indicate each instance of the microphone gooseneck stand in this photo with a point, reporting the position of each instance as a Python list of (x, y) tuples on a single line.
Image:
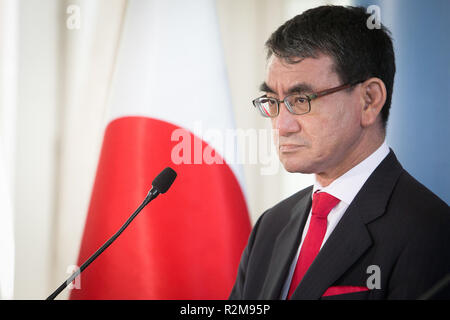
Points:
[(160, 185)]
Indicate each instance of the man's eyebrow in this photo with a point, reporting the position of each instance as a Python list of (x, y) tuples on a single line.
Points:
[(265, 88), (298, 88)]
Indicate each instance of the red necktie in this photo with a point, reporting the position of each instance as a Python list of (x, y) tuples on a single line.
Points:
[(321, 206)]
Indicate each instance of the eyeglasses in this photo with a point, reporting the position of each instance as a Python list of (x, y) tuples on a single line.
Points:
[(296, 103)]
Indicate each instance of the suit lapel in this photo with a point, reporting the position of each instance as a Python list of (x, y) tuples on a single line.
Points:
[(285, 248), (350, 239)]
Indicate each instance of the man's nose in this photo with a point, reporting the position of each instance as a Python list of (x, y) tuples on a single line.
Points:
[(286, 122)]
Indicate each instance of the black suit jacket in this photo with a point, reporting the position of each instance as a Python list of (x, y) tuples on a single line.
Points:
[(394, 223)]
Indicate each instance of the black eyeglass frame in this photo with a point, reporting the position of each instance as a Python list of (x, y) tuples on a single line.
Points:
[(309, 98)]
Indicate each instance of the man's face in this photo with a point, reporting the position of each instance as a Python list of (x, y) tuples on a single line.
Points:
[(328, 136)]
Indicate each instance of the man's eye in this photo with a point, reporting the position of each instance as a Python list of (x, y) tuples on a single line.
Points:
[(268, 102), (269, 98)]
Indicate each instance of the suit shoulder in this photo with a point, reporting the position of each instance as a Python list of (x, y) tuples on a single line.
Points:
[(282, 209), (416, 195), (423, 208)]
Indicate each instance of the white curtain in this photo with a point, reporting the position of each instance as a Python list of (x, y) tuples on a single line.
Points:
[(86, 73), (8, 96), (65, 58)]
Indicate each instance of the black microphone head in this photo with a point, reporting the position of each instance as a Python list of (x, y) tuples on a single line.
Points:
[(164, 180)]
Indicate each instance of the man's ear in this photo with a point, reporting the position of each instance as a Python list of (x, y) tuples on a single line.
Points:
[(373, 97)]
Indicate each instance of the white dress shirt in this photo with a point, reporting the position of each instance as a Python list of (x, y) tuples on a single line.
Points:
[(345, 189)]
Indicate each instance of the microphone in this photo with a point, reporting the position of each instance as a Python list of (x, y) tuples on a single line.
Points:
[(160, 184)]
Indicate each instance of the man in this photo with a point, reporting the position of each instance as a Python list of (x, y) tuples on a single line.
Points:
[(366, 229)]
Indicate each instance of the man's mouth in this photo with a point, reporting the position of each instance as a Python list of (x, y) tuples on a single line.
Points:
[(288, 147)]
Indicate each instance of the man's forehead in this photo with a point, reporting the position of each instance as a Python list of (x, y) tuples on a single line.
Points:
[(307, 70), (321, 61), (283, 60)]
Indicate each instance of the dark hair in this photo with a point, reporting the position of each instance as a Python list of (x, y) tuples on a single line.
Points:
[(342, 33)]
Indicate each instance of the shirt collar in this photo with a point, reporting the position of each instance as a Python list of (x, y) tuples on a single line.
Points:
[(348, 185)]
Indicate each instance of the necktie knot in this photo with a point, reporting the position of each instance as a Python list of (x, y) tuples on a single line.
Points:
[(322, 204)]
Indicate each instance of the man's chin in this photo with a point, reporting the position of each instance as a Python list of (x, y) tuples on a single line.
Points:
[(296, 167)]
